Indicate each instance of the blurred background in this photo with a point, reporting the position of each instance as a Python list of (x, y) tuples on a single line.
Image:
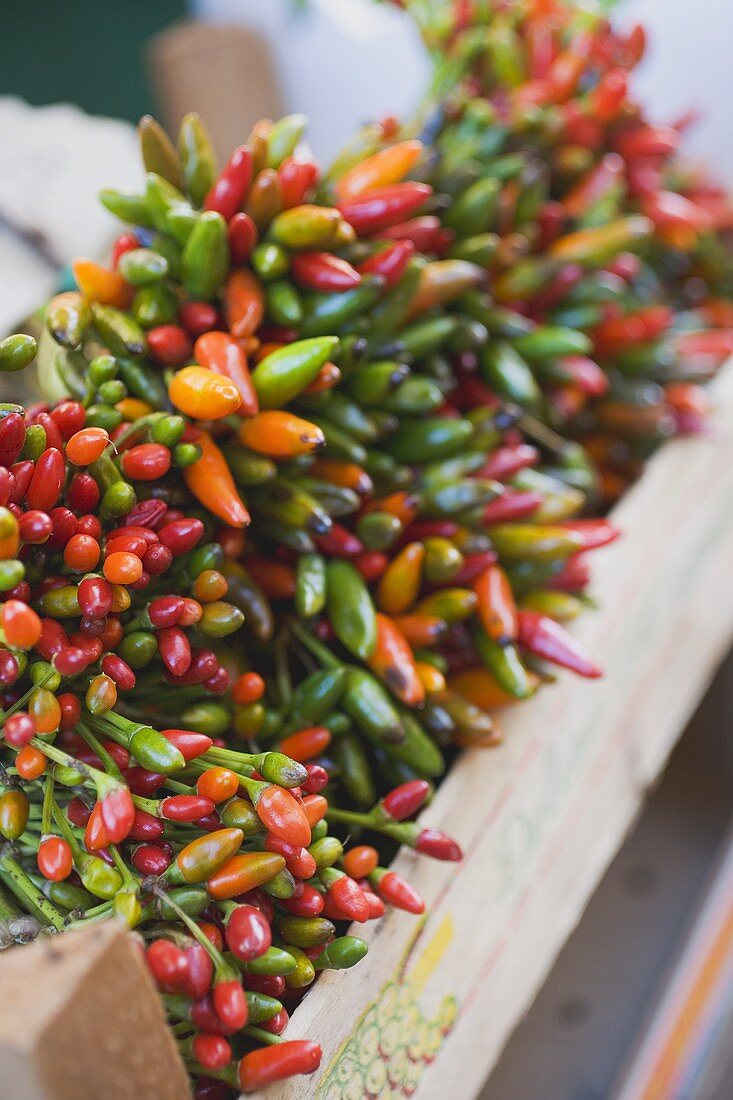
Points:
[(75, 77), (341, 62)]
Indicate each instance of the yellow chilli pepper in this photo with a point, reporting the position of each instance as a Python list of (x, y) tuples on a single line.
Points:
[(204, 394)]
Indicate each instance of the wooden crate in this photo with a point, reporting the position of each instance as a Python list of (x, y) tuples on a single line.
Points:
[(540, 818)]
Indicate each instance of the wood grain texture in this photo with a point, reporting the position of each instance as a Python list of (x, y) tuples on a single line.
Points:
[(80, 1019), (540, 818)]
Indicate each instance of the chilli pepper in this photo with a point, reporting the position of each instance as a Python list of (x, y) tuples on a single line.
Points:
[(211, 482)]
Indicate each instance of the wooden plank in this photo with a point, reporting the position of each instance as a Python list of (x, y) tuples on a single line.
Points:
[(541, 817), (91, 1022)]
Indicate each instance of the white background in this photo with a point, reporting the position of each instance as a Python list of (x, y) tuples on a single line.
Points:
[(345, 61)]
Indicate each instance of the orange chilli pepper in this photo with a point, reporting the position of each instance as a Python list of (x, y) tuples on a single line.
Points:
[(394, 663), (360, 861), (328, 376), (401, 504), (399, 585), (306, 743), (244, 872), (87, 446), (432, 678), (30, 762), (21, 625), (9, 534), (221, 353), (244, 303), (346, 474), (267, 349), (248, 688), (211, 482), (276, 579), (132, 408), (316, 808), (44, 709), (218, 784), (496, 608), (388, 166), (204, 394), (480, 688), (421, 630), (283, 815), (102, 285), (265, 199), (280, 434)]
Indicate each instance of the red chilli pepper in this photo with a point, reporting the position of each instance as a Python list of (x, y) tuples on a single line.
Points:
[(12, 437), (425, 232), (230, 1004), (189, 743), (230, 190), (296, 179), (437, 845), (269, 1064), (247, 933), (175, 650), (548, 640), (323, 271), (242, 238), (595, 532), (382, 207), (47, 479), (406, 800), (396, 891), (185, 807)]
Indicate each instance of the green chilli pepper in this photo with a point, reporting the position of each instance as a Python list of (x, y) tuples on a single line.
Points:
[(205, 259), (198, 162), (285, 373), (350, 609), (310, 585), (504, 663)]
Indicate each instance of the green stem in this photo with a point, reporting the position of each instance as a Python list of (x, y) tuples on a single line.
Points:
[(215, 956), (47, 811), (24, 698), (265, 1037), (91, 916), (351, 817), (28, 893), (127, 877), (98, 748), (67, 832), (137, 426), (92, 776), (319, 651), (8, 909)]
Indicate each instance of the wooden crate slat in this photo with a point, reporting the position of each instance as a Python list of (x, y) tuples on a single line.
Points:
[(81, 1019), (430, 1009)]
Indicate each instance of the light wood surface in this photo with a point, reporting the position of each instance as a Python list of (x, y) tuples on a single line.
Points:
[(80, 1019), (540, 818)]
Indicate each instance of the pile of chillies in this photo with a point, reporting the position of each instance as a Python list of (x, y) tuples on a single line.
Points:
[(610, 277), (220, 858), (413, 547), (313, 497)]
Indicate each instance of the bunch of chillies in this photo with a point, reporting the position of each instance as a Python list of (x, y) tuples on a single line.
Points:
[(221, 859), (352, 394), (344, 383), (609, 261)]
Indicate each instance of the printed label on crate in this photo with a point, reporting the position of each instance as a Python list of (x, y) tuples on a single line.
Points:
[(395, 1039)]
